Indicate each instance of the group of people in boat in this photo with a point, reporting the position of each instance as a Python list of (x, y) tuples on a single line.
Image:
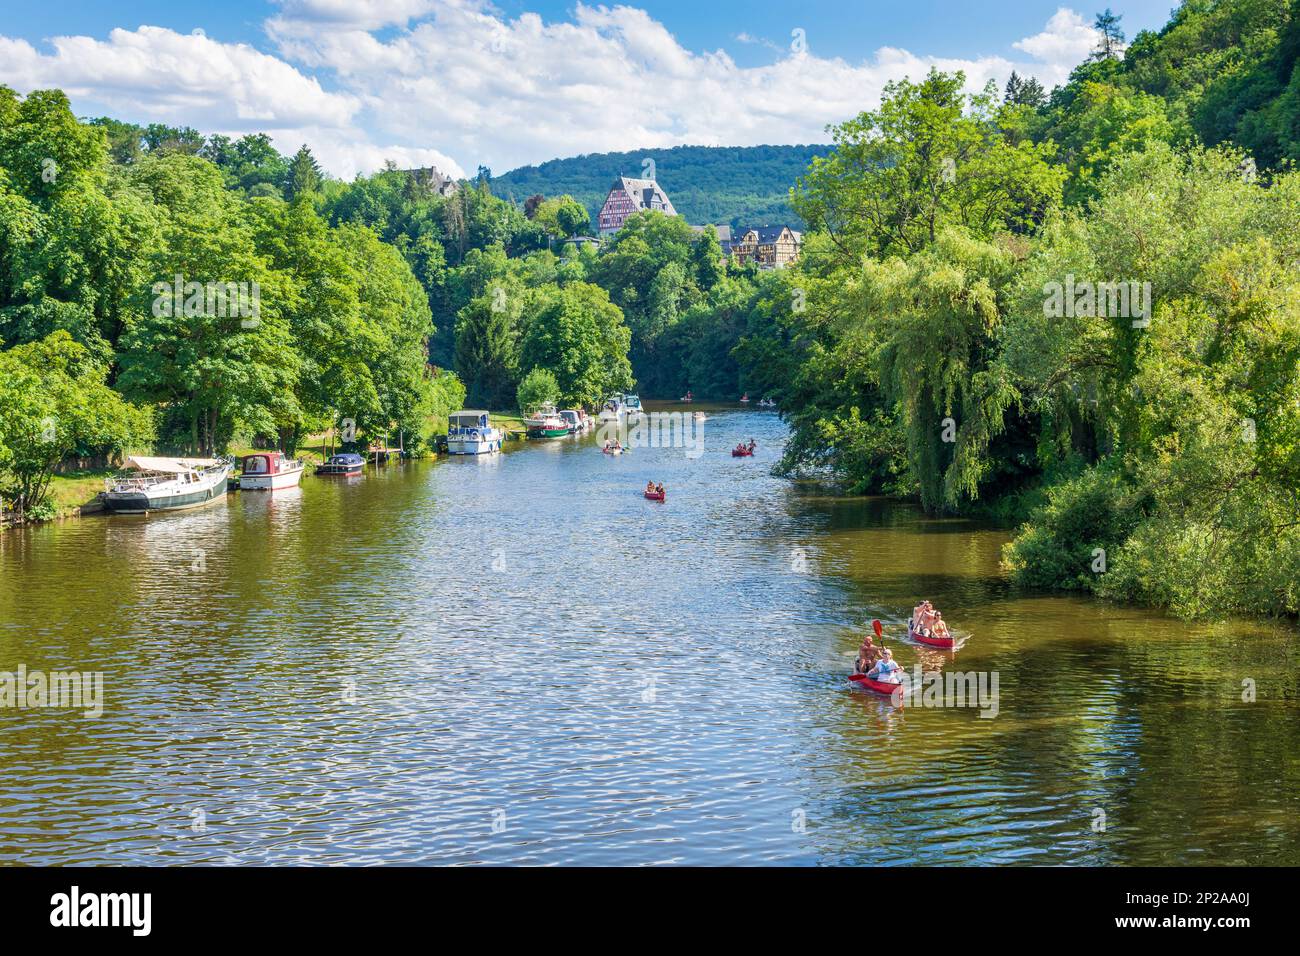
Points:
[(876, 662), (748, 449), (652, 489), (926, 620), (614, 445)]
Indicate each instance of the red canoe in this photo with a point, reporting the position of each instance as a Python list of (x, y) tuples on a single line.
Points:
[(741, 453), (946, 642), (656, 495), (879, 686)]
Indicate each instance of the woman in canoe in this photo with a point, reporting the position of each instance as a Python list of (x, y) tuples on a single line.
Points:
[(885, 669), (649, 487), (940, 627)]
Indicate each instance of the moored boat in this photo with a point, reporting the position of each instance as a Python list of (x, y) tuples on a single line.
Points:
[(167, 484), (613, 410), (632, 407), (576, 419), (546, 423), (470, 432), (269, 471), (929, 639), (345, 464)]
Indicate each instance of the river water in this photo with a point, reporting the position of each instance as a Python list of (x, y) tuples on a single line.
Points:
[(519, 659)]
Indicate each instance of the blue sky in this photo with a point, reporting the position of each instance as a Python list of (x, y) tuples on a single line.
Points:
[(463, 82)]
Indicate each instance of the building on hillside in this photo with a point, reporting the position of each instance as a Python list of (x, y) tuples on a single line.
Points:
[(724, 235), (768, 247), (434, 179), (628, 196)]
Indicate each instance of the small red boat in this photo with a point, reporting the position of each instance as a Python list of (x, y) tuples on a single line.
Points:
[(879, 686), (656, 495), (742, 453), (945, 642)]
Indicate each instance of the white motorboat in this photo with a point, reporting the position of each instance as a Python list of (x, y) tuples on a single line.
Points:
[(470, 432), (614, 410), (269, 471)]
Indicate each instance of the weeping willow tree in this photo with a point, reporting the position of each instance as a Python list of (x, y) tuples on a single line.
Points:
[(933, 319)]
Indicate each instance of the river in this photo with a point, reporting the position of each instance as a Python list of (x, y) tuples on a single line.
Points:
[(519, 659)]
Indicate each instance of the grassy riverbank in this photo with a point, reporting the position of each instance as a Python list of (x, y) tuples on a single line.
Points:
[(71, 493)]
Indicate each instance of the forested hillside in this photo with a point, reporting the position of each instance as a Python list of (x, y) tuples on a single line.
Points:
[(707, 184)]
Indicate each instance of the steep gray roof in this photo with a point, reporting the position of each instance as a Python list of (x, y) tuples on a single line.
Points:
[(642, 190)]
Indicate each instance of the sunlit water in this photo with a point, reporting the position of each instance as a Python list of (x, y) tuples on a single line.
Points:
[(519, 659)]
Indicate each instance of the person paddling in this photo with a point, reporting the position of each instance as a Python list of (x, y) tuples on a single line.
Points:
[(885, 670), (868, 655)]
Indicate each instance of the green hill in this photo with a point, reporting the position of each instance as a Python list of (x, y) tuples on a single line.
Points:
[(1219, 71), (718, 184)]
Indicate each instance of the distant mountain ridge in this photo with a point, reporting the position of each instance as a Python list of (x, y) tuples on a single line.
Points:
[(739, 185)]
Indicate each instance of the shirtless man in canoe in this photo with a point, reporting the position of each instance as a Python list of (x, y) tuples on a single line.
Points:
[(923, 617), (868, 655)]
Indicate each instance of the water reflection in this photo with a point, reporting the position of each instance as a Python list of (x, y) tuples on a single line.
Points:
[(517, 658)]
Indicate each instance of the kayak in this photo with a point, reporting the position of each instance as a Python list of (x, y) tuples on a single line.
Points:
[(741, 453), (946, 642), (879, 686), (656, 495)]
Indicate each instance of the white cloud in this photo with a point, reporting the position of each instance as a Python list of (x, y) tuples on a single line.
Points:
[(454, 83), (1066, 42)]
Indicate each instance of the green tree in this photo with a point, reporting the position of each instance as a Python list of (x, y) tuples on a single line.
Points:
[(55, 402), (537, 388), (929, 157), (580, 336), (303, 176)]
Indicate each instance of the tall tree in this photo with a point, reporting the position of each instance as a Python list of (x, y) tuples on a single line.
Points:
[(1111, 37), (303, 176)]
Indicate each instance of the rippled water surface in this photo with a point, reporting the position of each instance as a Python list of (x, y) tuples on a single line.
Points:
[(519, 659)]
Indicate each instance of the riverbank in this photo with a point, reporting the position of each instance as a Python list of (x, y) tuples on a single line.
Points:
[(77, 493)]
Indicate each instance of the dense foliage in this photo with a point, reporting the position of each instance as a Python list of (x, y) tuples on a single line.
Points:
[(1147, 434)]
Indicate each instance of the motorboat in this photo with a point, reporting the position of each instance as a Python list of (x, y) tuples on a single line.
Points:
[(269, 471), (470, 432), (346, 464), (546, 423)]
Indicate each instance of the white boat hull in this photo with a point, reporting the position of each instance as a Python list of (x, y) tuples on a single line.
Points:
[(285, 479), (472, 446)]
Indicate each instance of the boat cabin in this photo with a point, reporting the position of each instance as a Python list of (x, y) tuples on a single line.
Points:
[(268, 463)]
